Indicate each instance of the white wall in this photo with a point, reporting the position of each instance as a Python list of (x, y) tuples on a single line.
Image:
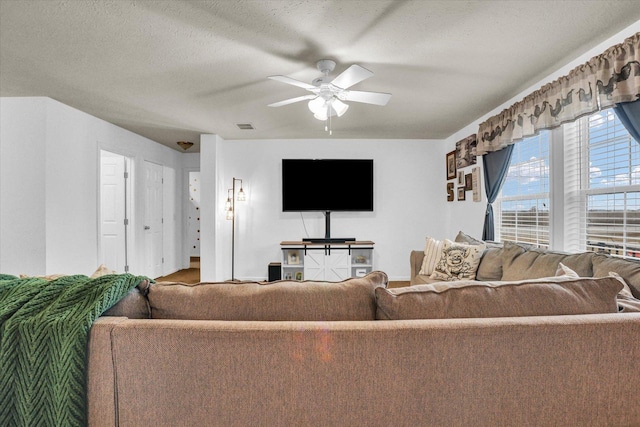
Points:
[(22, 186), (49, 187), (410, 201)]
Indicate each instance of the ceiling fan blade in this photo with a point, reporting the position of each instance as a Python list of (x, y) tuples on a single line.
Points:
[(292, 100), (376, 98), (350, 76), (290, 81)]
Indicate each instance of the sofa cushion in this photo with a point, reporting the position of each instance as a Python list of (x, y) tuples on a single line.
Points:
[(628, 269), (469, 299), (459, 261), (432, 254), (519, 263), (351, 299), (490, 267)]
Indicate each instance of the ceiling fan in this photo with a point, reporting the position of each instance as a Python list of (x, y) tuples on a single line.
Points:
[(327, 94)]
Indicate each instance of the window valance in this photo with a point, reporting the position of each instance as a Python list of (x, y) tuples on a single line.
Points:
[(607, 79)]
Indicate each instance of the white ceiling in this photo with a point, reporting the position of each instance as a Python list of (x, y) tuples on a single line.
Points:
[(172, 70)]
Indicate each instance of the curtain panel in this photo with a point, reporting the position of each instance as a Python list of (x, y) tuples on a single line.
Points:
[(605, 80)]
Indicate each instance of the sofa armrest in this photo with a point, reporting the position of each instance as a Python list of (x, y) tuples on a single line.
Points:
[(416, 263), (101, 409)]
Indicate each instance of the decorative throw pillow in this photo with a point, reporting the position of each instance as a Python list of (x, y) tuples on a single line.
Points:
[(432, 253), (102, 270), (563, 270), (458, 261)]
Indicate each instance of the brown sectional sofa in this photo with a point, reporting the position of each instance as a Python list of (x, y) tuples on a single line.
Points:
[(318, 354)]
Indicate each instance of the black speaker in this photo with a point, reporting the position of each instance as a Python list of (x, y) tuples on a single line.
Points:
[(275, 271)]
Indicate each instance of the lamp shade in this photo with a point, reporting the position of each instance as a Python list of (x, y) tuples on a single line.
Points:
[(339, 107), (316, 105)]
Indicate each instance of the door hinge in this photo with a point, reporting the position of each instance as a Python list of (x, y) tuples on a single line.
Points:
[(163, 260), (126, 175), (126, 268), (162, 220), (126, 221)]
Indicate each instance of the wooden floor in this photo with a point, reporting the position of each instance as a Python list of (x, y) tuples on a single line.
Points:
[(192, 275)]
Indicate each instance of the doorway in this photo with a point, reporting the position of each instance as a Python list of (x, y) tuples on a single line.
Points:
[(114, 211), (193, 215)]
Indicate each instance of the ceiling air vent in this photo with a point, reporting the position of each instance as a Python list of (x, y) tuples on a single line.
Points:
[(245, 126)]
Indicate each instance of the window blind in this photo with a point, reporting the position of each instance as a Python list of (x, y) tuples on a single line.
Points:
[(602, 186), (523, 206)]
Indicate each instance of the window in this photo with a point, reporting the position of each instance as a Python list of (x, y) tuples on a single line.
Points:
[(522, 209), (603, 209)]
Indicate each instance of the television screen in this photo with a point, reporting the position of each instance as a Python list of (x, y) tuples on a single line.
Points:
[(327, 185)]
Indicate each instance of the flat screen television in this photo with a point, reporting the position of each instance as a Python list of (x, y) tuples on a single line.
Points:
[(327, 185)]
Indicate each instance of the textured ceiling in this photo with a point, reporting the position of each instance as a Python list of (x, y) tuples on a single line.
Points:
[(172, 70)]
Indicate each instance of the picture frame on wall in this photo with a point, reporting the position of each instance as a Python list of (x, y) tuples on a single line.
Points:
[(460, 177), (461, 193), (466, 150), (468, 182), (475, 182), (450, 193), (451, 165)]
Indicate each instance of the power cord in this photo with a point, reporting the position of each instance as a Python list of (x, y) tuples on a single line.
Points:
[(304, 225)]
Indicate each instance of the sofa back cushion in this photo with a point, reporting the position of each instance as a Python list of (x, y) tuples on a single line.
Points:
[(628, 269), (352, 299), (470, 299), (519, 263), (490, 268)]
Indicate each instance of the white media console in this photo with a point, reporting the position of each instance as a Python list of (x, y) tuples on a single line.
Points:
[(334, 261)]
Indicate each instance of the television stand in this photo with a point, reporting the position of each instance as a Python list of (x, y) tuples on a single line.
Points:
[(326, 261), (329, 239)]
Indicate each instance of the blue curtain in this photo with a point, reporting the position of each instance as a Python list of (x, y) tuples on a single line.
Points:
[(496, 166), (629, 115)]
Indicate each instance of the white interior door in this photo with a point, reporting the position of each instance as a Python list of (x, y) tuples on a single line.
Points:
[(153, 219), (113, 212)]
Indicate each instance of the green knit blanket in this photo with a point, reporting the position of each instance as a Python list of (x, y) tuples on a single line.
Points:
[(44, 330)]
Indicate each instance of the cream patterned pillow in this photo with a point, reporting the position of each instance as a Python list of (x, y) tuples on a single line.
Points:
[(432, 254), (458, 261), (563, 270)]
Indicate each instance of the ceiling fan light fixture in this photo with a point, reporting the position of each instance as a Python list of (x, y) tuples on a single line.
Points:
[(339, 107), (321, 115), (317, 105)]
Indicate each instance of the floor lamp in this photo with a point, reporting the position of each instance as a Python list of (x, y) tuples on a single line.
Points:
[(230, 207)]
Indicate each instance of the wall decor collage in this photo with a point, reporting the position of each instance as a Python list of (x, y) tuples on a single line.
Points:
[(462, 157)]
